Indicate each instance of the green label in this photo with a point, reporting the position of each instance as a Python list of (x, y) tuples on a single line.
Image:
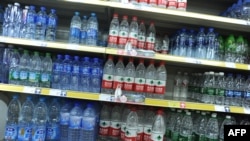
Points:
[(34, 77), (203, 90), (185, 138), (196, 89), (13, 75), (45, 77), (210, 91), (198, 137), (168, 133), (174, 136), (23, 75)]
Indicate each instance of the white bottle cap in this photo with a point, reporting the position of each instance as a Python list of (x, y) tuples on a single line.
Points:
[(188, 113), (203, 113), (214, 115), (228, 117), (221, 73), (211, 73)]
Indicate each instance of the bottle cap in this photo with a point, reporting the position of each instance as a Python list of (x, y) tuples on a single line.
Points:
[(141, 60), (151, 61), (125, 17), (162, 63), (76, 58), (115, 15), (214, 115), (77, 13), (120, 58), (160, 112), (110, 57), (228, 117), (203, 113), (134, 18), (42, 8), (131, 59), (53, 10)]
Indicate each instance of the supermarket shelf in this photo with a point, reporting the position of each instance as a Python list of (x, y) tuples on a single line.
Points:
[(51, 45)]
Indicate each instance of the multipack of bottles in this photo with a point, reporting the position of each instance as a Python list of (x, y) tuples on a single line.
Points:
[(27, 23), (149, 81)]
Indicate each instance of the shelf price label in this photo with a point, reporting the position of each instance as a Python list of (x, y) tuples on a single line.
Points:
[(57, 92), (230, 65), (40, 43), (31, 90), (73, 46), (222, 108), (182, 105), (106, 97), (2, 39), (192, 60), (248, 67), (246, 111)]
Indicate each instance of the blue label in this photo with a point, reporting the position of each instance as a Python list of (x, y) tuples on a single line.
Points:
[(39, 134), (75, 121), (190, 42), (83, 34), (41, 20), (67, 68), (75, 32), (229, 93), (64, 118), (76, 69), (58, 67), (95, 71), (52, 22), (237, 94), (45, 77), (88, 123), (52, 132), (24, 133), (10, 132), (85, 70), (32, 76), (247, 95), (92, 33), (15, 74), (30, 18), (23, 75)]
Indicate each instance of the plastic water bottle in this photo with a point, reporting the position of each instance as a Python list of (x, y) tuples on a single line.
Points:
[(24, 67), (41, 24), (129, 78), (56, 73), (83, 36), (1, 18), (141, 115), (113, 31), (31, 23), (141, 36), (182, 43), (11, 129), (246, 10), (92, 30), (200, 44), (133, 32), (131, 126), (88, 123), (108, 73), (230, 48), (85, 75), (66, 73), (177, 85), (119, 73), (148, 120), (190, 52), (210, 88), (64, 121), (104, 124), (46, 71), (160, 82), (75, 29), (229, 89), (34, 70), (211, 38), (25, 120), (96, 76), (40, 120), (75, 75), (246, 100), (75, 120), (115, 123), (159, 127), (125, 112), (150, 76), (13, 70), (238, 90), (150, 39), (123, 32), (177, 126), (212, 129), (227, 121), (51, 26), (187, 127), (220, 89), (140, 78), (199, 126)]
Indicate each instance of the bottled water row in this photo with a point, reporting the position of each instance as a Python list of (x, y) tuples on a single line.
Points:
[(48, 119), (27, 23), (149, 81), (220, 88), (181, 85)]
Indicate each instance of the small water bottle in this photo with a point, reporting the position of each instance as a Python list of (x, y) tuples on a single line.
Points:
[(52, 26), (41, 24), (85, 75), (92, 30), (75, 77), (66, 73), (64, 121), (75, 119), (75, 29), (30, 23), (83, 36), (96, 76), (56, 72)]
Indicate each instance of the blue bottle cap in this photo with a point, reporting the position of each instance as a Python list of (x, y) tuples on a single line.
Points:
[(15, 96), (93, 14), (96, 60), (89, 105), (77, 13), (76, 58), (202, 29), (211, 29), (229, 74), (239, 3), (183, 29), (41, 99), (53, 11), (84, 17), (86, 59), (238, 75), (29, 98), (67, 56), (32, 7), (43, 8)]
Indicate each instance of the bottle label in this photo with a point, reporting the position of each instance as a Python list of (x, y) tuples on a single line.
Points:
[(182, 4), (147, 132), (10, 132), (175, 136), (229, 93), (150, 43), (83, 34), (88, 123), (123, 130), (162, 3), (185, 138), (199, 137), (67, 68), (220, 92), (202, 90), (139, 84), (118, 80), (75, 69), (23, 75), (64, 118), (14, 75), (237, 94), (172, 4), (52, 132), (58, 67), (160, 86), (210, 91), (52, 22), (145, 1), (149, 87), (113, 36), (128, 83), (95, 71), (130, 134), (45, 77), (24, 133), (153, 2), (141, 42), (247, 95), (140, 131), (75, 121), (107, 81), (133, 38), (75, 32), (156, 136), (115, 129), (92, 33), (85, 70), (123, 36), (34, 77), (104, 127), (39, 134)]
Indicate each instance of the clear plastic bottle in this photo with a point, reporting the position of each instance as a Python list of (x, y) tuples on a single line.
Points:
[(40, 120), (238, 90), (66, 73), (246, 100), (229, 89), (35, 70), (96, 76), (30, 23), (11, 129), (182, 42), (53, 130), (200, 44), (170, 123), (158, 127), (227, 121), (75, 74), (13, 68), (125, 112), (186, 131), (46, 71), (220, 89), (83, 37), (177, 85), (212, 129), (160, 82), (25, 120), (123, 32), (104, 124), (92, 30), (52, 26), (211, 38), (119, 73), (133, 32), (131, 126), (75, 27), (177, 126), (108, 75), (89, 123), (115, 123), (150, 39), (141, 115), (56, 73), (85, 75), (24, 68), (184, 86), (75, 120), (113, 31), (64, 121), (210, 88), (200, 126), (150, 76), (190, 52), (41, 24), (140, 78), (129, 79), (141, 36)]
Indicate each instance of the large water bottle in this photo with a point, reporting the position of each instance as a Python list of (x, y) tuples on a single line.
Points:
[(246, 10), (177, 126), (34, 70), (210, 88), (131, 125), (140, 78), (113, 31), (11, 129), (83, 36), (115, 123), (212, 129), (238, 90), (14, 70), (141, 115), (200, 126), (64, 121), (40, 120), (1, 18), (46, 71), (170, 123), (53, 130), (125, 113), (177, 85), (75, 29), (182, 43), (159, 127), (141, 36), (75, 75), (160, 81), (92, 30), (186, 131), (30, 23), (133, 32), (150, 39), (150, 79), (88, 123), (41, 24), (75, 120), (227, 121), (129, 78), (25, 120), (211, 38), (56, 73), (104, 124), (147, 126), (51, 26), (119, 73), (229, 89), (24, 67), (190, 40), (66, 73), (108, 73), (14, 20), (200, 44), (123, 32), (220, 89), (246, 100), (85, 75), (230, 48), (96, 76)]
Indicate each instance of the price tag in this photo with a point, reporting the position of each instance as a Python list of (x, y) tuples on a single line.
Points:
[(31, 90), (248, 67), (2, 39), (221, 108), (246, 111), (192, 60), (182, 105), (174, 104), (73, 46), (230, 65), (40, 43), (105, 97), (121, 52), (57, 92)]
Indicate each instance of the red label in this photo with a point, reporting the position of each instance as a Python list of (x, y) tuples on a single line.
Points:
[(149, 89), (114, 132), (128, 86), (139, 87), (160, 89), (130, 138), (139, 137), (122, 40), (172, 3), (141, 45), (107, 84), (116, 84), (122, 135), (113, 39), (146, 1), (162, 2), (104, 131), (152, 1), (182, 5), (150, 46), (133, 42), (146, 137)]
